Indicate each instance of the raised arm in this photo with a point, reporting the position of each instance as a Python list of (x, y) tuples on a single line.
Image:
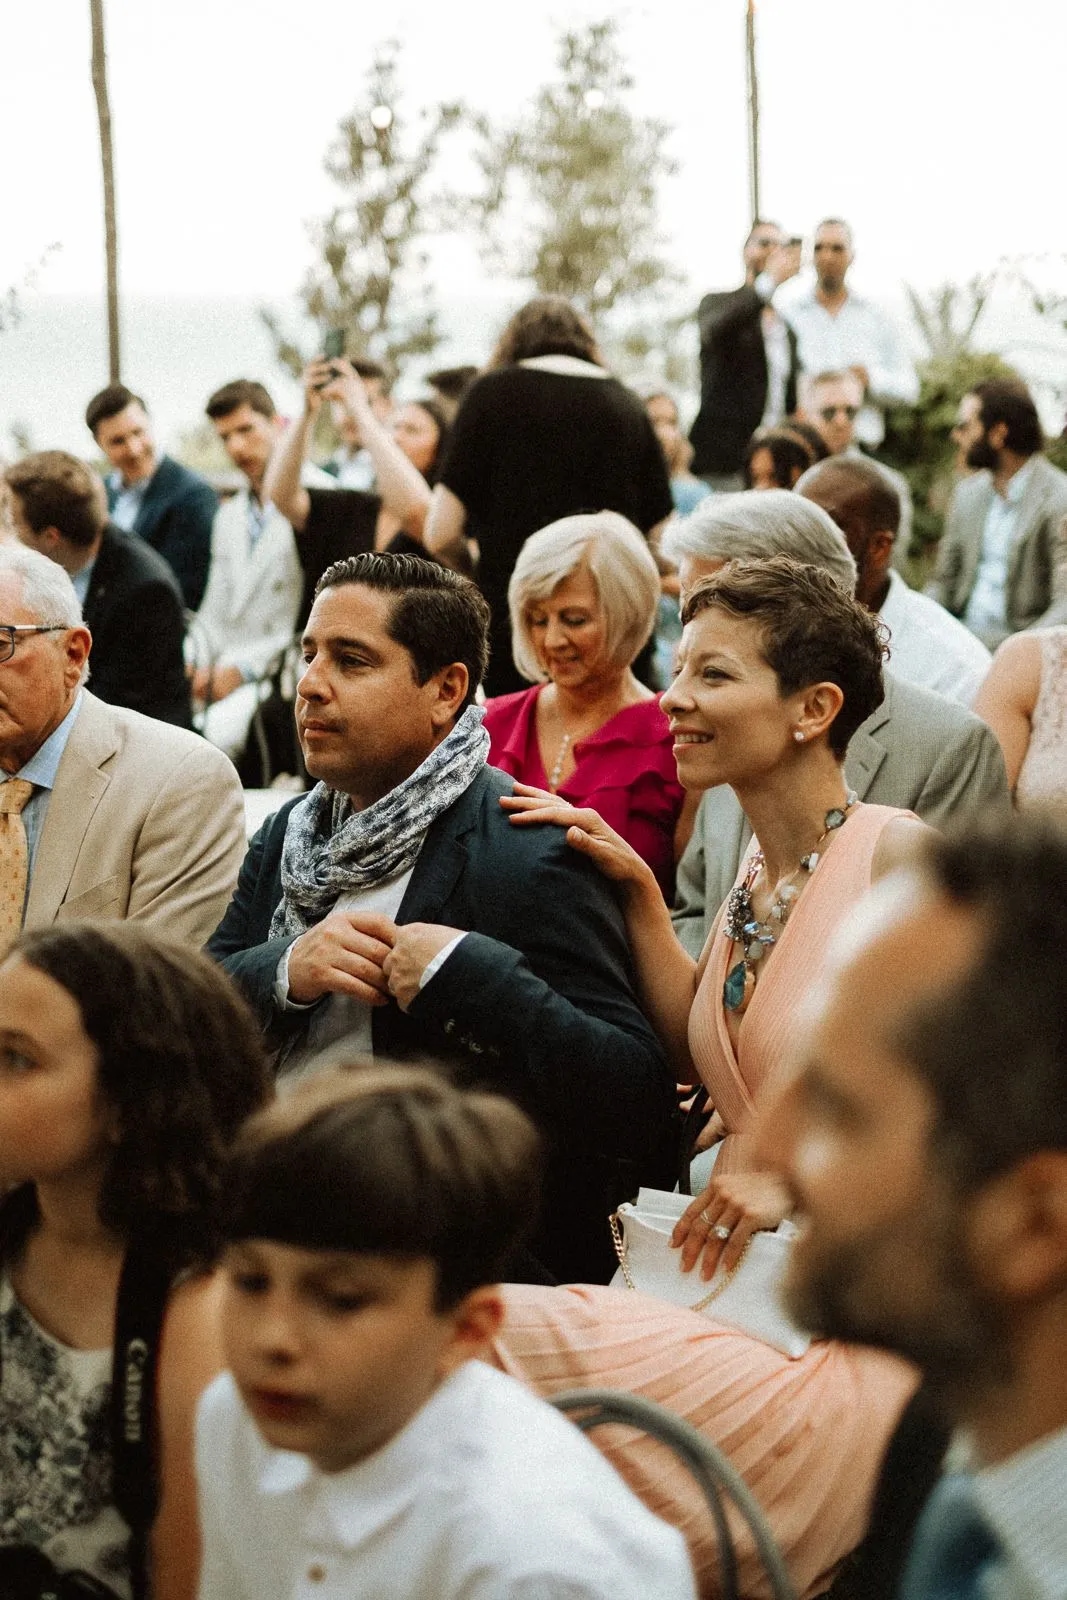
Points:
[(404, 491), (281, 483), (446, 536)]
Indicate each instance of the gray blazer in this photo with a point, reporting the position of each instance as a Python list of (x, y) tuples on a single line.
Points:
[(1037, 560), (919, 750)]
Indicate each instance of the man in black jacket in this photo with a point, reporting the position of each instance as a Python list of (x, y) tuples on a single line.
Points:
[(397, 907), (151, 495), (129, 597), (748, 359)]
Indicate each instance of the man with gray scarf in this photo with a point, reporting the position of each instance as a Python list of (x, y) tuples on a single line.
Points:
[(396, 907)]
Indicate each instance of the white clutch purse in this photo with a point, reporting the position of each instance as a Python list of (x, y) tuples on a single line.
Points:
[(748, 1298)]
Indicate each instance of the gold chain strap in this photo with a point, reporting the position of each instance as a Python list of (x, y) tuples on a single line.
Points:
[(706, 1300)]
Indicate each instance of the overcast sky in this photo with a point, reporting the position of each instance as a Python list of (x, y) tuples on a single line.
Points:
[(928, 123)]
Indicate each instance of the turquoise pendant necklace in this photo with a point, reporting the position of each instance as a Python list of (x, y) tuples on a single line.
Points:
[(757, 938)]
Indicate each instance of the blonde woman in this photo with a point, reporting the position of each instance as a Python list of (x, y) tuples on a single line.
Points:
[(583, 598)]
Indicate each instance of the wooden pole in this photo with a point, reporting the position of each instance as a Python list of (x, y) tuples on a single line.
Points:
[(111, 247), (753, 111)]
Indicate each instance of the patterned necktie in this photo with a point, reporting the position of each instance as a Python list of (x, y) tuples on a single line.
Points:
[(953, 1548), (14, 860)]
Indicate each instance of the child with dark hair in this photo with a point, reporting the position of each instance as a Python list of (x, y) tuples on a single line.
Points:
[(358, 1442)]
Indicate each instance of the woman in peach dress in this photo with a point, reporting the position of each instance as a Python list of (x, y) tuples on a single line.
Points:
[(778, 667)]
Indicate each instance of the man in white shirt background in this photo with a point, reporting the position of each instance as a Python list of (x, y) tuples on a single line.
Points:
[(839, 331), (352, 467), (927, 645)]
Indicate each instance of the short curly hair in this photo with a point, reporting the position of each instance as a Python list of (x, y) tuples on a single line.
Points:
[(181, 1066), (813, 632)]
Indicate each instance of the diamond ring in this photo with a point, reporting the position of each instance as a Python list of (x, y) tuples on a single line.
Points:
[(721, 1231)]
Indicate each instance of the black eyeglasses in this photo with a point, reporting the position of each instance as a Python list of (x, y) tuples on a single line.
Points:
[(9, 632), (828, 413)]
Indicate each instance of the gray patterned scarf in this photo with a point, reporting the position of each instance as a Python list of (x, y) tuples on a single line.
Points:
[(331, 850)]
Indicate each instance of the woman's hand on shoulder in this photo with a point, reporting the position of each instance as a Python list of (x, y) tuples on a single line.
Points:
[(587, 831), (742, 1203)]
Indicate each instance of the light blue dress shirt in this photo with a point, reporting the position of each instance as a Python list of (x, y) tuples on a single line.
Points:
[(128, 498), (81, 581), (986, 612), (40, 770)]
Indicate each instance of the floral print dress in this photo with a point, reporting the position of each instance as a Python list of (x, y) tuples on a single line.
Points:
[(55, 1453)]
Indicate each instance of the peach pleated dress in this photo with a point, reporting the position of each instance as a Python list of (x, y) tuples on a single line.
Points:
[(769, 1026), (808, 1435)]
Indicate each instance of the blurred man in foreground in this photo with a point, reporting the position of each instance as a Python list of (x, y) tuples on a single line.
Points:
[(925, 1141)]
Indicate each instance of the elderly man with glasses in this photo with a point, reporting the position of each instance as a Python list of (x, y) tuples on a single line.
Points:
[(103, 812)]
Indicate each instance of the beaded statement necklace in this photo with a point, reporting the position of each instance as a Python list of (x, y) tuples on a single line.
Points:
[(756, 938)]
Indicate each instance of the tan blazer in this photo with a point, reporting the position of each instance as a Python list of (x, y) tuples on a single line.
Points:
[(1037, 560), (146, 822)]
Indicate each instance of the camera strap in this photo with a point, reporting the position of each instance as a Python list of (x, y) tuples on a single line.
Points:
[(148, 1272)]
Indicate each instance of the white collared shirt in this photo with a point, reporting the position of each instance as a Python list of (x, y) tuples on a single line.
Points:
[(929, 647), (1023, 1500), (486, 1494), (858, 335)]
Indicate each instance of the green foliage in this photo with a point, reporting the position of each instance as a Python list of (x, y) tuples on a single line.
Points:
[(369, 249), (570, 187), (918, 439)]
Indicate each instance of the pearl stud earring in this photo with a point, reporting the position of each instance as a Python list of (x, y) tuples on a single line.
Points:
[(799, 737)]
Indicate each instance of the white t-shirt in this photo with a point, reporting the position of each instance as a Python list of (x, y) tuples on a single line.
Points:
[(487, 1494)]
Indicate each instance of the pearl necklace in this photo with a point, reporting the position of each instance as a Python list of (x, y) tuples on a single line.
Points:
[(756, 938)]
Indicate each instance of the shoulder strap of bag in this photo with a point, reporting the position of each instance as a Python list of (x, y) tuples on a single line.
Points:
[(144, 1287)]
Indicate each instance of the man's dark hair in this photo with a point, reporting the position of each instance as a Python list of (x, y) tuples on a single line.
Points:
[(56, 490), (1008, 401), (993, 1050), (241, 392), (437, 616), (108, 403), (390, 1160), (813, 631), (872, 493), (180, 1066)]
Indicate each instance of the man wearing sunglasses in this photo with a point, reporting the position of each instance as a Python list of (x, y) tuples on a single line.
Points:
[(838, 331), (832, 403)]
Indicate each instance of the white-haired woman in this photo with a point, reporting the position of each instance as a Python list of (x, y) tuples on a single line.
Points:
[(583, 599)]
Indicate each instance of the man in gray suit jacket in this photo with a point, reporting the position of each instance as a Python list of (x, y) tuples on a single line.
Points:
[(1003, 557), (918, 750)]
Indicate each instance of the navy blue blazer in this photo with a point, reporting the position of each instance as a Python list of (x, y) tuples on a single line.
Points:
[(539, 1002), (135, 614), (176, 518)]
